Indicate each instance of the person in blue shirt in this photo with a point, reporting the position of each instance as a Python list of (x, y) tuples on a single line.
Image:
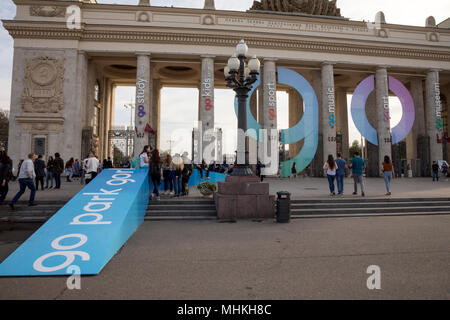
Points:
[(358, 167), (340, 173)]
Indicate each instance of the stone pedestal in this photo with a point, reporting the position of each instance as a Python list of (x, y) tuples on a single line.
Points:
[(244, 198)]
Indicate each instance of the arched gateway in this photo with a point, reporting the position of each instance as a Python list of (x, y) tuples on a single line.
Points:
[(65, 71)]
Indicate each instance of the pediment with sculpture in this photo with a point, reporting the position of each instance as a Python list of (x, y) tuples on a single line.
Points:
[(313, 7)]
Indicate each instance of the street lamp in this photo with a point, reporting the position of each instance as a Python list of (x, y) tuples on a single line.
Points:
[(240, 76), (131, 105)]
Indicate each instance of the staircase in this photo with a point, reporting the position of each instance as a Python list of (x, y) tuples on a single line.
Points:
[(181, 209), (204, 209), (366, 207), (164, 209)]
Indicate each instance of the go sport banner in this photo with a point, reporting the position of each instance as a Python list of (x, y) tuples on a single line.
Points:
[(307, 128), (86, 233)]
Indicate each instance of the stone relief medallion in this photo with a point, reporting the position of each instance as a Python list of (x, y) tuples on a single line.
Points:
[(43, 73), (208, 20), (143, 16), (43, 87), (47, 11)]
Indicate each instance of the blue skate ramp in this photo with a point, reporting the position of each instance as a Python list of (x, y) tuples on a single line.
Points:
[(88, 231)]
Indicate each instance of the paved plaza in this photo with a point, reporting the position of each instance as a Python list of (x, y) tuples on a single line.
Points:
[(306, 259), (300, 188)]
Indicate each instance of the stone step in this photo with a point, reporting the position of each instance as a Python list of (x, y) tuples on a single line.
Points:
[(349, 211), (181, 212), (359, 199), (363, 215), (391, 204), (186, 207)]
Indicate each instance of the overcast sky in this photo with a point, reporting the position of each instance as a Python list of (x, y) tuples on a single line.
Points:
[(408, 12)]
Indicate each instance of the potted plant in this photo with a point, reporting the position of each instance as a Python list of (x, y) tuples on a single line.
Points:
[(207, 188)]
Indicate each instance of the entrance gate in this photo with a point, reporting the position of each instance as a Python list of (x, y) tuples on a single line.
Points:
[(121, 145)]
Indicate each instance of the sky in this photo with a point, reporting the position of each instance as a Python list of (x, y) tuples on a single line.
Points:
[(407, 12)]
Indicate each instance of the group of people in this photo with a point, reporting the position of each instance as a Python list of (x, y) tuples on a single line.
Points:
[(335, 170), (32, 172), (172, 171), (444, 169)]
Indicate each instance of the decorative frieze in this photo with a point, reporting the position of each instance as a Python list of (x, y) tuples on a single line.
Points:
[(225, 40), (47, 11)]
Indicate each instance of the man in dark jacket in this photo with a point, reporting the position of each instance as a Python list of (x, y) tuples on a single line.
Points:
[(58, 169), (39, 169), (5, 173)]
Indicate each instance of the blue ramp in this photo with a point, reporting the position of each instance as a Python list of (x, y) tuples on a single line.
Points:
[(88, 231)]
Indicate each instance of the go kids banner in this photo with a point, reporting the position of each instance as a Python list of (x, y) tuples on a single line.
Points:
[(86, 233)]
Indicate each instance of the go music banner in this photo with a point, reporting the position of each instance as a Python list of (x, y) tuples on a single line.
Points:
[(86, 233)]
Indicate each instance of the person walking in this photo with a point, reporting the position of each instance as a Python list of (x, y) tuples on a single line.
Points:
[(259, 169), (168, 174), (388, 173), (340, 173), (178, 177), (186, 174), (5, 173), (155, 173), (143, 157), (91, 168), (294, 170), (357, 165), (435, 169), (26, 180), (69, 170), (445, 170), (39, 169), (330, 168), (58, 170), (50, 170)]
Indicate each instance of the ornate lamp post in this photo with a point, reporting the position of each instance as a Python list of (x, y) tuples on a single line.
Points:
[(240, 76)]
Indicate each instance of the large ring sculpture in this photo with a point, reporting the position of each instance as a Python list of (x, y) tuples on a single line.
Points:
[(358, 110)]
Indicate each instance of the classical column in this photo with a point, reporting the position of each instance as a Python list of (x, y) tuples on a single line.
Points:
[(433, 115), (328, 113), (383, 115), (269, 112), (155, 115), (342, 121), (417, 144), (80, 112), (143, 99), (372, 151), (206, 105), (295, 115), (317, 163)]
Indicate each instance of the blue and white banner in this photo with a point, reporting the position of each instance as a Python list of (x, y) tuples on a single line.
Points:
[(88, 231)]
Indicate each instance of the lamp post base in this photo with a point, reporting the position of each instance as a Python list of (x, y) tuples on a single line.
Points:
[(242, 171), (244, 197)]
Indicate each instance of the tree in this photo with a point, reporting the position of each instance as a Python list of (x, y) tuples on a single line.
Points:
[(355, 148), (4, 127)]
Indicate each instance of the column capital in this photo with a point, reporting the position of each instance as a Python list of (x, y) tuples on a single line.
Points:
[(328, 63), (206, 56), (143, 53), (382, 67), (270, 59), (434, 70)]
